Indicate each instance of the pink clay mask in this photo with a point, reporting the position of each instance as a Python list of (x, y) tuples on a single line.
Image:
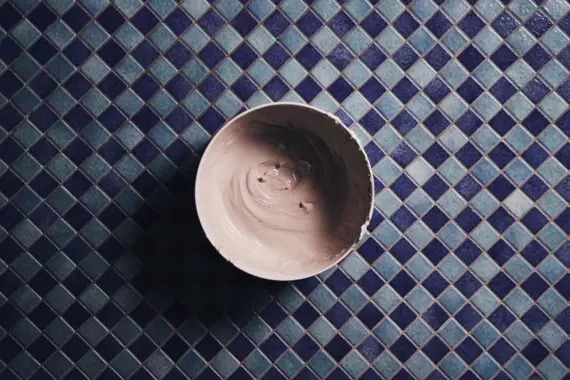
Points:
[(284, 191)]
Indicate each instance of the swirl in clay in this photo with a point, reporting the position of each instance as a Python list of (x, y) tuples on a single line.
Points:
[(282, 183), (282, 196)]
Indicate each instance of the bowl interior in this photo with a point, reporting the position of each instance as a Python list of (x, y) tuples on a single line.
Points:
[(284, 191)]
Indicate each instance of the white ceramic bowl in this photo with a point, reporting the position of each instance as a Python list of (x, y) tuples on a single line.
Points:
[(284, 191)]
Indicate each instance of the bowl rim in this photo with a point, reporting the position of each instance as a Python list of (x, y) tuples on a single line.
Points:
[(268, 274)]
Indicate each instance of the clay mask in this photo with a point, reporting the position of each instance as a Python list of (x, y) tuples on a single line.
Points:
[(284, 191)]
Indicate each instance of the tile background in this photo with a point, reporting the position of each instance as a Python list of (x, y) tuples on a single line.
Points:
[(461, 105)]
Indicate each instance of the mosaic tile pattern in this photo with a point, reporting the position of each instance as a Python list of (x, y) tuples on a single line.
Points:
[(462, 106)]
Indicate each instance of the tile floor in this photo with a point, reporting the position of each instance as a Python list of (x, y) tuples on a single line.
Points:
[(462, 107)]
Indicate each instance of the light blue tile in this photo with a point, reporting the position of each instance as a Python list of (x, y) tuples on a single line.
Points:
[(293, 72), (386, 364), (390, 9), (94, 101), (487, 40), (260, 39), (228, 8), (485, 236), (228, 71), (423, 9), (451, 235), (487, 74), (520, 73), (389, 73), (229, 104), (555, 40), (518, 171), (422, 40), (387, 298), (128, 69), (489, 9), (552, 335), (485, 334), (228, 38), (129, 102), (552, 368), (325, 8), (358, 40), (456, 9), (260, 8), (521, 41), (94, 35), (451, 267), (95, 134), (452, 333), (552, 138), (358, 8), (195, 103), (419, 365), (518, 367), (387, 332), (162, 70), (387, 170), (195, 7), (551, 203), (422, 73), (260, 72), (390, 40), (454, 40), (25, 33), (195, 38), (453, 366), (322, 364), (420, 106), (162, 37), (59, 33), (386, 234), (419, 202), (518, 334), (387, 202), (162, 103), (451, 299), (162, 7), (419, 267), (552, 302), (419, 137), (419, 332), (419, 235), (485, 171), (518, 269), (419, 299), (388, 139), (453, 106), (485, 301), (387, 266), (518, 236), (551, 236), (354, 298), (354, 265), (454, 74), (519, 302), (290, 331), (354, 331), (293, 39), (552, 269), (356, 105), (485, 366), (484, 203), (326, 103)]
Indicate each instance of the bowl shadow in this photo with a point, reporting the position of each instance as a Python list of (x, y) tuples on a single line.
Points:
[(181, 275)]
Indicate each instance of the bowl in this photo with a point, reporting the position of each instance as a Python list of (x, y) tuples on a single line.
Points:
[(284, 191)]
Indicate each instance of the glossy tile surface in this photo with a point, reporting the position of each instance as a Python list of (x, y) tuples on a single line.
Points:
[(462, 106)]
